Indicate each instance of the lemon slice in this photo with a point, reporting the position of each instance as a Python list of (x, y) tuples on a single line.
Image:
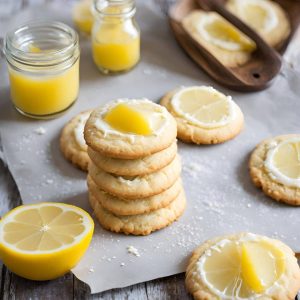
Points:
[(257, 259), (44, 241), (258, 14), (222, 34), (82, 16), (203, 106), (240, 269), (128, 120), (283, 162)]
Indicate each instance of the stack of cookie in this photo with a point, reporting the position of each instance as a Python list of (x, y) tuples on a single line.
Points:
[(134, 174)]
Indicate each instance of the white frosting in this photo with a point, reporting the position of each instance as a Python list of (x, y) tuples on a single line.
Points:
[(175, 103), (156, 115), (79, 129), (203, 22), (218, 247), (271, 20), (273, 171)]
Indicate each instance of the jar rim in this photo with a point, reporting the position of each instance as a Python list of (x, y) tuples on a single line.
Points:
[(61, 53), (99, 7)]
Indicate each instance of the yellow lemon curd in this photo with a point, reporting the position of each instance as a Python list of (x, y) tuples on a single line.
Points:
[(114, 49), (83, 17), (40, 95), (128, 120), (44, 241)]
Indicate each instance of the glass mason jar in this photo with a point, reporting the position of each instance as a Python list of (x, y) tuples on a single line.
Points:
[(43, 67), (115, 36)]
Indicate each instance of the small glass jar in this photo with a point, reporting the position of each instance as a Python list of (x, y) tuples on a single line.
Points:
[(43, 67), (115, 36)]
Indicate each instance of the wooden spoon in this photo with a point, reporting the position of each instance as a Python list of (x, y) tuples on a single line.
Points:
[(254, 75)]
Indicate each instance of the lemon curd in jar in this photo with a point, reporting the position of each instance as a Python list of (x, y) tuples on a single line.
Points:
[(43, 66), (115, 36)]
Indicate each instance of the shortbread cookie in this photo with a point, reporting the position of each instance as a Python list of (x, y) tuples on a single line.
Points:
[(72, 143), (139, 186), (142, 224), (224, 268), (204, 115), (134, 167), (274, 178), (219, 37), (126, 207), (112, 142), (265, 16)]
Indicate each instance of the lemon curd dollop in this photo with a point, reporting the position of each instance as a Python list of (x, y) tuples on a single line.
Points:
[(127, 119)]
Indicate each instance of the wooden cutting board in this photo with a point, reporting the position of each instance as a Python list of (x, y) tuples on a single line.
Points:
[(265, 63)]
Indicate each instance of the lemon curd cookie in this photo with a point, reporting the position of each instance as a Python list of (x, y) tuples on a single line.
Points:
[(224, 41), (275, 167), (266, 17), (134, 167), (243, 266), (130, 129), (142, 224), (204, 115), (72, 143), (137, 186), (123, 206)]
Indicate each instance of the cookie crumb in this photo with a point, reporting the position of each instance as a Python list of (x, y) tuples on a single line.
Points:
[(40, 130), (132, 250)]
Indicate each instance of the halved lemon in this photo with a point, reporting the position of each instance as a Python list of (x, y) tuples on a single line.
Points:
[(203, 106), (283, 162), (128, 120), (44, 241), (239, 269), (223, 34), (82, 16)]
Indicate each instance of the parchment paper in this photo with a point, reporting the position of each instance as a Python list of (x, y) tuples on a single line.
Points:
[(221, 198)]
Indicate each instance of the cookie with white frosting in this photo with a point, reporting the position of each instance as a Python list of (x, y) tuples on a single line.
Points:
[(243, 266), (141, 224), (275, 168), (266, 17), (136, 187), (111, 141), (72, 143), (204, 115), (219, 37)]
